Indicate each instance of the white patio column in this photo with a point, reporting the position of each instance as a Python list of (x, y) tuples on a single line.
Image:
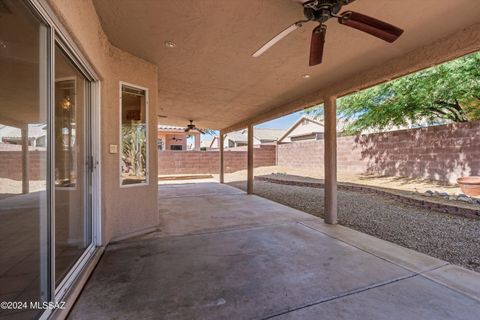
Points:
[(330, 158), (250, 160), (197, 141), (222, 162), (25, 160)]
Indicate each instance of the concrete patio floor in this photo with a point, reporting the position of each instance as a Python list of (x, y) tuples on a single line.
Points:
[(220, 253)]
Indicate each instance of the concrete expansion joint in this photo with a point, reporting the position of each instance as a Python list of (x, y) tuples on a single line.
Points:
[(341, 295), (366, 251), (206, 195), (424, 273)]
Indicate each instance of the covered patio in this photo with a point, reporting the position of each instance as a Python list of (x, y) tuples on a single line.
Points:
[(221, 253), (105, 241)]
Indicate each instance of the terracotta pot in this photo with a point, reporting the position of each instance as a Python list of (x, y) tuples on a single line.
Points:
[(470, 185)]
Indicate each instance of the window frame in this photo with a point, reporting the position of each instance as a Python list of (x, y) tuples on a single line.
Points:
[(147, 127), (56, 34)]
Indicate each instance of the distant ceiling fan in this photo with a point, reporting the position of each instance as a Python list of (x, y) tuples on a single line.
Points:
[(191, 126), (175, 139), (322, 10)]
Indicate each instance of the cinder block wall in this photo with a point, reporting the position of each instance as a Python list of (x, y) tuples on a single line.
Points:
[(198, 162), (11, 165), (441, 153)]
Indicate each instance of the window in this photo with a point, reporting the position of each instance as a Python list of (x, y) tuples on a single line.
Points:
[(133, 161)]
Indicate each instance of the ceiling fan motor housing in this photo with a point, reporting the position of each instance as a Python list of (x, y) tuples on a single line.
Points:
[(322, 10)]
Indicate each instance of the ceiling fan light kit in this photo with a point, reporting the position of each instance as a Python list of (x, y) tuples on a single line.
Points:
[(191, 126), (321, 11)]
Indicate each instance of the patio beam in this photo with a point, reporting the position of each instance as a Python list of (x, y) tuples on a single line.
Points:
[(250, 160), (25, 160), (330, 158), (222, 165)]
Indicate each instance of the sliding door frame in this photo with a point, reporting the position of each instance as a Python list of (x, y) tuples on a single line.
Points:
[(54, 35)]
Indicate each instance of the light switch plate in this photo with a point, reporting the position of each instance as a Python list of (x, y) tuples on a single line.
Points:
[(113, 148)]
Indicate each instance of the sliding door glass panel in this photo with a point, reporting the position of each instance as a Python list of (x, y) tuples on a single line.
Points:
[(72, 183), (133, 136), (23, 158)]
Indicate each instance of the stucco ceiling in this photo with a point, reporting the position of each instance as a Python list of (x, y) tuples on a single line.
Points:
[(210, 76)]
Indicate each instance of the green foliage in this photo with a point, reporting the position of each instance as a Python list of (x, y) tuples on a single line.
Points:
[(134, 150), (446, 93)]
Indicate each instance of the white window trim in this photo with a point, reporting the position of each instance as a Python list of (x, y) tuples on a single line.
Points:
[(120, 149)]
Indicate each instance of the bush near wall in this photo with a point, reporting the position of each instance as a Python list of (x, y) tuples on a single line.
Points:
[(204, 162), (441, 153)]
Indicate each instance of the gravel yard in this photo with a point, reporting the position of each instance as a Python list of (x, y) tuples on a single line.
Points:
[(452, 238)]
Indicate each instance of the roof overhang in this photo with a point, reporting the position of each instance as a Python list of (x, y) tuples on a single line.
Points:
[(210, 76)]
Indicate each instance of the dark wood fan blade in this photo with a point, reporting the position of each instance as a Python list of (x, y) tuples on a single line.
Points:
[(377, 28), (317, 44)]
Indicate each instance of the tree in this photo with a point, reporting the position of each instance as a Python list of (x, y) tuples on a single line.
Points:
[(446, 93)]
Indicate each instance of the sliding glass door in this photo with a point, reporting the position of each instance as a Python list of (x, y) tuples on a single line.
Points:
[(23, 160), (73, 228), (46, 163)]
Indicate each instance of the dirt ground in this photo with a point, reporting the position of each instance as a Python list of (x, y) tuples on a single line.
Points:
[(9, 187), (387, 182)]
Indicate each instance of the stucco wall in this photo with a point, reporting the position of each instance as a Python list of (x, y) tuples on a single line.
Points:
[(197, 162), (125, 210), (441, 153)]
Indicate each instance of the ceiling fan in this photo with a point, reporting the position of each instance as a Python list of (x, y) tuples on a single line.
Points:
[(175, 139), (321, 11), (191, 126)]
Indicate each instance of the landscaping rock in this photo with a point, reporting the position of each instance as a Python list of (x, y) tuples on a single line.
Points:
[(442, 194), (465, 199), (429, 193)]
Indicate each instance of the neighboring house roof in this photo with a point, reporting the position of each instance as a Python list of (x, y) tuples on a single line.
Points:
[(261, 134), (238, 136), (166, 128), (316, 128), (264, 134), (34, 131)]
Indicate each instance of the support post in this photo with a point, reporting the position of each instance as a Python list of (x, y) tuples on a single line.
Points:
[(330, 158), (197, 141), (250, 160), (25, 160), (222, 164)]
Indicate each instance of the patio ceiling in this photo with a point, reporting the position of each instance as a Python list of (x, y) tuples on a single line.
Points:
[(210, 76)]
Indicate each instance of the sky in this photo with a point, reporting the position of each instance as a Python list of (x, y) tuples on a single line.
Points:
[(284, 123)]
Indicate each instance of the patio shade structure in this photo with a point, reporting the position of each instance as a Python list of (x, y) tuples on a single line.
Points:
[(254, 90), (183, 60)]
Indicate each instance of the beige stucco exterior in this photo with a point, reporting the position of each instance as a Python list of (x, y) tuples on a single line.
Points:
[(130, 210)]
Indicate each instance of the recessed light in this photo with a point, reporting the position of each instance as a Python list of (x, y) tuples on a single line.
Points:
[(306, 76), (170, 44), (3, 44)]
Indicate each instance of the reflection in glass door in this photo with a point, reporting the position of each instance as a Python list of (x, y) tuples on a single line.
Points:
[(73, 228), (23, 159)]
